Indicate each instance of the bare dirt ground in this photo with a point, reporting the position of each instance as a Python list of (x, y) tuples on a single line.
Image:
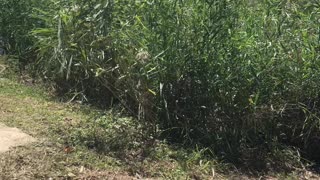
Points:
[(13, 137)]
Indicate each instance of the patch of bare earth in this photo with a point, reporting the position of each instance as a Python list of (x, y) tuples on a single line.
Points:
[(12, 137)]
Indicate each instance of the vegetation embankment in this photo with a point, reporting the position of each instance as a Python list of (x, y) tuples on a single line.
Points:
[(237, 77), (80, 142)]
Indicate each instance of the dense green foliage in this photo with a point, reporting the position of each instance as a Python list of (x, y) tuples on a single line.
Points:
[(235, 76)]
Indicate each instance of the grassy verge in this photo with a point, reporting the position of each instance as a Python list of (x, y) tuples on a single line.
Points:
[(74, 142), (77, 142), (30, 109)]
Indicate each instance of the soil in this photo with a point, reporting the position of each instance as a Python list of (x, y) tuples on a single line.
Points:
[(13, 137)]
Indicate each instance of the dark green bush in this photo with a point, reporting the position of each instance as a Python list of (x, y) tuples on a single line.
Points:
[(15, 26)]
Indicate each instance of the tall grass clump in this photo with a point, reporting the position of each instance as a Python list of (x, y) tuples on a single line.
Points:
[(234, 76), (15, 25), (279, 41), (74, 47)]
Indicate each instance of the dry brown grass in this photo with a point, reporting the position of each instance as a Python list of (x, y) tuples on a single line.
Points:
[(44, 161)]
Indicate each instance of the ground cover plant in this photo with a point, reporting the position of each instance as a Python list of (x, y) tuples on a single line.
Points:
[(237, 77)]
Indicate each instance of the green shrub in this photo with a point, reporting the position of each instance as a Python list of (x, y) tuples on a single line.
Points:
[(16, 23)]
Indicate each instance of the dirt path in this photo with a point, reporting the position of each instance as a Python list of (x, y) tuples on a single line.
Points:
[(12, 137)]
